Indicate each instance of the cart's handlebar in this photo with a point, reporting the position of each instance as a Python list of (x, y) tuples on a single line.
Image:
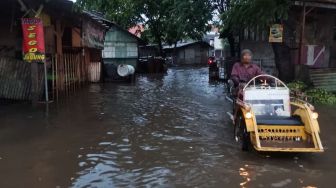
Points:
[(265, 78)]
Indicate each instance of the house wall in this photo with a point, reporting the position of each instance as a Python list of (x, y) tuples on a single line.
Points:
[(120, 48), (220, 52), (331, 33), (76, 37), (260, 49), (263, 55), (205, 55), (319, 34), (193, 54), (68, 58), (319, 31), (10, 32), (146, 51)]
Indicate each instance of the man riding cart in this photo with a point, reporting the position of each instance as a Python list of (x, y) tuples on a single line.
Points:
[(266, 117), (241, 73)]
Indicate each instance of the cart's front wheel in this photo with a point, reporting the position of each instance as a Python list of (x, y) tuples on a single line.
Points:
[(240, 132)]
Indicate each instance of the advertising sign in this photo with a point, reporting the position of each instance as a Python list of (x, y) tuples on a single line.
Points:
[(33, 40), (276, 33)]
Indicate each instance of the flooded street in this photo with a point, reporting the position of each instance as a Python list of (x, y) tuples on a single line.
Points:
[(163, 131)]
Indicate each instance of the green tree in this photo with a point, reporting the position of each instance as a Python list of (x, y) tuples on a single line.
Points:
[(220, 6), (247, 13), (122, 12), (166, 21)]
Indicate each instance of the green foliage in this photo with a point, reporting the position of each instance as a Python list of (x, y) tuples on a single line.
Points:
[(122, 12), (297, 86), (319, 96), (165, 20), (188, 19), (250, 13), (322, 96)]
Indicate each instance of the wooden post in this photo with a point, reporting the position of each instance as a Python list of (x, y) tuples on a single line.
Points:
[(53, 76), (59, 33), (34, 84), (46, 82), (56, 76), (60, 59), (300, 66), (302, 32)]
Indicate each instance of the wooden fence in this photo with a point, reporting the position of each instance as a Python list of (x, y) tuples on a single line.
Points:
[(94, 72), (68, 73)]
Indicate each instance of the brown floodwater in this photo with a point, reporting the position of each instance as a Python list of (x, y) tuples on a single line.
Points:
[(163, 131)]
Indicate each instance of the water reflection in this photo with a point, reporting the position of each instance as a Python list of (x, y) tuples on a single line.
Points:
[(160, 125), (243, 172), (167, 131)]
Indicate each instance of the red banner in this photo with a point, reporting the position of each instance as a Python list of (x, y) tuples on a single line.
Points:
[(33, 40)]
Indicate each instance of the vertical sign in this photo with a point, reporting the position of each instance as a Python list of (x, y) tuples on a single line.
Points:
[(276, 33), (33, 40)]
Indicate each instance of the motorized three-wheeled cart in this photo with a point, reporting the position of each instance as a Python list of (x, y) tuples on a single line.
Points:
[(267, 119)]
